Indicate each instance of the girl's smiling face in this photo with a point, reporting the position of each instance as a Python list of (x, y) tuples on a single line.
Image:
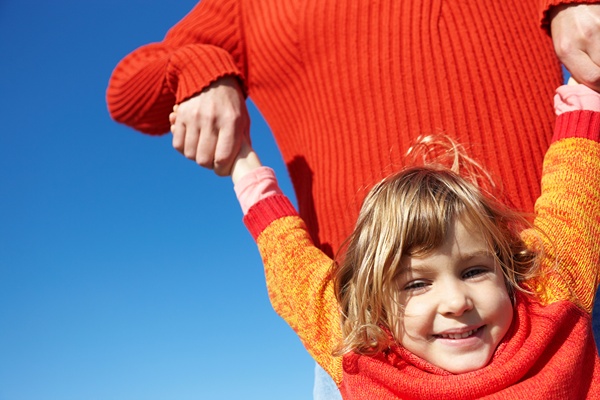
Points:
[(453, 304)]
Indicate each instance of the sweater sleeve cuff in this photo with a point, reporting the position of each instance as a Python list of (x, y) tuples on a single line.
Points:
[(546, 10), (256, 185), (576, 97), (194, 67), (263, 213), (577, 124)]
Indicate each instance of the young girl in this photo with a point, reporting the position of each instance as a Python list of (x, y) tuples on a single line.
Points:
[(442, 293)]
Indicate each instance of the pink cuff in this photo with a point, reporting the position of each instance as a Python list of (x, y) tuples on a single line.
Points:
[(574, 98), (255, 186)]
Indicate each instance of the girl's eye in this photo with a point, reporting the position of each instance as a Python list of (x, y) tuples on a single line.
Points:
[(474, 272), (415, 285)]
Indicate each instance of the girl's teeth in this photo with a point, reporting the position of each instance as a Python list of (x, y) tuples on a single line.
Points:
[(458, 335)]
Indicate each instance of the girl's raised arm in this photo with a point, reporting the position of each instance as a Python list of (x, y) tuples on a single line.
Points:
[(568, 211)]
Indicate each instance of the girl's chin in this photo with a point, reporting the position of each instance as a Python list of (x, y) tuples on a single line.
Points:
[(464, 369), (464, 364)]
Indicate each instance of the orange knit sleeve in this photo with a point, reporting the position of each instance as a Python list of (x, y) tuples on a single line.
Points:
[(299, 283), (568, 214), (205, 45)]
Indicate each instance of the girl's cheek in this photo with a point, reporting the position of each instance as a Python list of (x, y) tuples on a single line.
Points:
[(411, 315), (417, 317), (418, 306)]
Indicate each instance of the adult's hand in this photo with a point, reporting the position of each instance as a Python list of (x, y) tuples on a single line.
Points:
[(575, 30), (209, 128)]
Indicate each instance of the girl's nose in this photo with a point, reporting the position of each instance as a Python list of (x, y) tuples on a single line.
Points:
[(455, 300)]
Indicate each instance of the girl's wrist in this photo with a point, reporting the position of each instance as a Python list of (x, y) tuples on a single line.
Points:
[(254, 186), (246, 162), (575, 98)]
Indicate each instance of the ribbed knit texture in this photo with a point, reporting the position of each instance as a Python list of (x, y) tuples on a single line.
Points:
[(584, 124), (347, 85), (263, 213), (549, 352)]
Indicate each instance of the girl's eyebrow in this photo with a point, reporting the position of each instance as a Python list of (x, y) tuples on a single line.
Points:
[(476, 254), (420, 267)]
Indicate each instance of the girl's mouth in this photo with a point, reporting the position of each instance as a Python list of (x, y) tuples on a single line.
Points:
[(462, 335)]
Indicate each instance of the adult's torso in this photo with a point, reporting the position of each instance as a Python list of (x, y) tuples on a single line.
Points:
[(347, 86)]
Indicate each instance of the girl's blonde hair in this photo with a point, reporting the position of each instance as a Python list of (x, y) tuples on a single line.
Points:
[(409, 214)]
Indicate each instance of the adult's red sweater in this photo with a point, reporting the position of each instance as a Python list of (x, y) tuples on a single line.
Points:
[(347, 85)]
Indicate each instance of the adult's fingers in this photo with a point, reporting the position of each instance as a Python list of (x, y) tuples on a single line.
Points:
[(205, 146), (192, 135), (584, 69), (208, 128), (228, 147), (178, 131)]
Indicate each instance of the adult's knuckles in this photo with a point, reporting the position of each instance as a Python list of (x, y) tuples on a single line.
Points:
[(230, 115), (591, 77), (222, 170), (222, 164), (204, 160), (208, 118), (565, 49)]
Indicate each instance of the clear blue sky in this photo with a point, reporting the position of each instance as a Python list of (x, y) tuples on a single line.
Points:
[(125, 270)]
